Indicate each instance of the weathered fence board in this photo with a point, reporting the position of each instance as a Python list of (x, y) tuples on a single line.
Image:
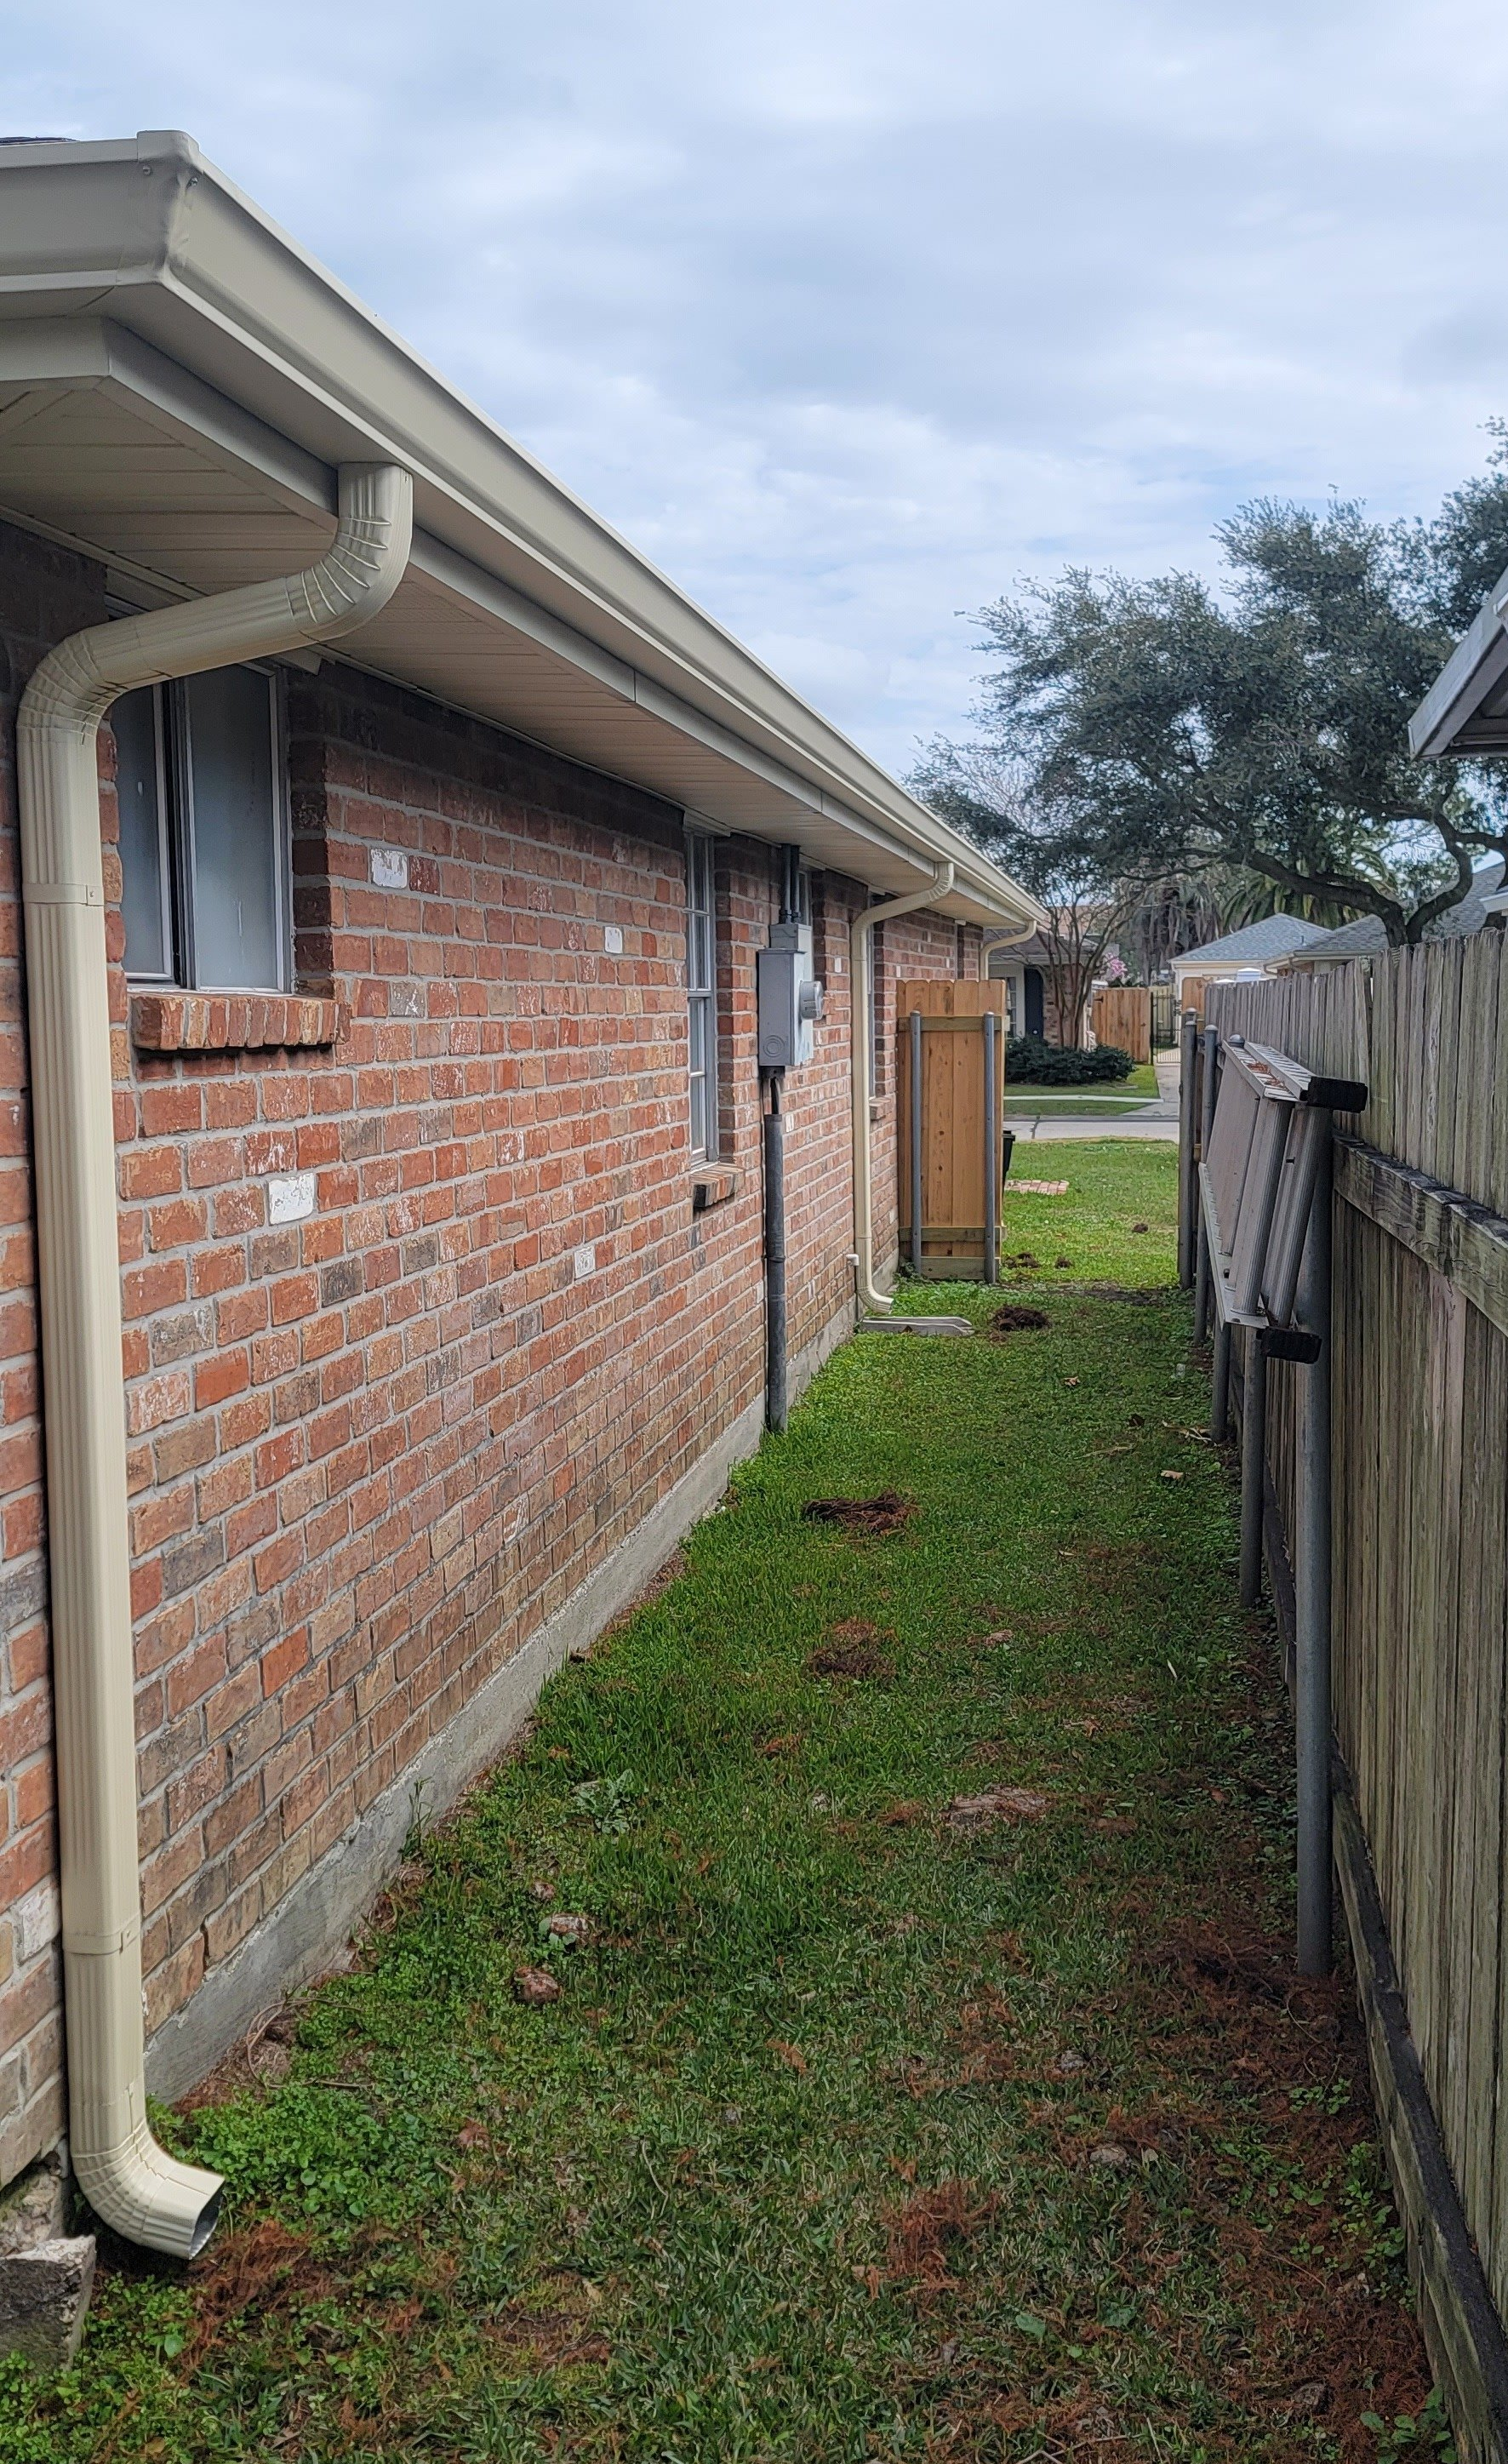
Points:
[(1420, 1573)]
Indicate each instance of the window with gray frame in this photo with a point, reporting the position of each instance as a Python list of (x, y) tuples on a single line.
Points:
[(701, 986), (204, 832)]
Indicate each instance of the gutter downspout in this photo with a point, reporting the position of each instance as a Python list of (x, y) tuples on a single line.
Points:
[(860, 946), (139, 2189)]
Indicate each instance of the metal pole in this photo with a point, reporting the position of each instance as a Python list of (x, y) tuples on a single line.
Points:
[(1220, 1384), (1312, 1595), (777, 1400), (1186, 1178), (916, 1143), (1211, 1043), (992, 1159), (1254, 1465), (1201, 1281)]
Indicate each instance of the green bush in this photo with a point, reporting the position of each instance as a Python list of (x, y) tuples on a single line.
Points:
[(1030, 1058)]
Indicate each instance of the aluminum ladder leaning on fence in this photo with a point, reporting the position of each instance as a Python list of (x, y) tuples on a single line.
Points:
[(1254, 1240)]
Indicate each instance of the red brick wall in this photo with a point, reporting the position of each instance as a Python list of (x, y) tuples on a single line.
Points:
[(371, 1452), (45, 593)]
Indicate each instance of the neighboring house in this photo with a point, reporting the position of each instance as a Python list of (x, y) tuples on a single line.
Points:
[(1031, 1007), (1256, 950), (1365, 935), (421, 973)]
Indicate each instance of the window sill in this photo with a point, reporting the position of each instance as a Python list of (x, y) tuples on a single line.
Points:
[(177, 1021), (712, 1185)]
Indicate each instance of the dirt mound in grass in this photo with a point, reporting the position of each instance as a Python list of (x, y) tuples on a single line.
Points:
[(890, 1511), (1014, 1317), (852, 1650)]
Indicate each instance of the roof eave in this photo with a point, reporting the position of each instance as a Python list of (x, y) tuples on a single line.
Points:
[(150, 235), (1448, 721)]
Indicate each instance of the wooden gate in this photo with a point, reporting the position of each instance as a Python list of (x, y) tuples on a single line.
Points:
[(1123, 1015), (951, 1082)]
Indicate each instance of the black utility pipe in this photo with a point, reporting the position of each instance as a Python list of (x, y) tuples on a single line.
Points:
[(777, 1398), (790, 885)]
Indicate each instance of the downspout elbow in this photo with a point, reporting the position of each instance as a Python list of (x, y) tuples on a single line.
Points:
[(860, 940), (132, 2183)]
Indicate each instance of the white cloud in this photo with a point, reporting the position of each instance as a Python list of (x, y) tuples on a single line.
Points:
[(847, 312)]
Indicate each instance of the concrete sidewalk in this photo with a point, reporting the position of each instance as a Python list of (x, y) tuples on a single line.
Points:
[(1149, 1124), (1155, 1119)]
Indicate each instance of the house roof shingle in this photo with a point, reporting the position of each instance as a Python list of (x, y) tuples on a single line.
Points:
[(1363, 936), (1271, 937)]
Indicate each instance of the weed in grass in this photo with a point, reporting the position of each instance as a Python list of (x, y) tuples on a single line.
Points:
[(609, 1803)]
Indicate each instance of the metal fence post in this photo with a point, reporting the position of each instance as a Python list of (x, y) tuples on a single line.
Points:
[(1254, 1463), (1220, 1384), (1312, 1595), (992, 1159), (1210, 1046), (916, 1144), (1186, 1173)]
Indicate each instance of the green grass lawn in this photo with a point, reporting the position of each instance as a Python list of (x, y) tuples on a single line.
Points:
[(929, 2082), (1022, 1096)]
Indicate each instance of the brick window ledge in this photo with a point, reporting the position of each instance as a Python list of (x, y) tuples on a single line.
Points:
[(712, 1187), (172, 1021)]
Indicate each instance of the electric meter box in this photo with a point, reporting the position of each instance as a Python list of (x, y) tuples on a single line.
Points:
[(790, 998)]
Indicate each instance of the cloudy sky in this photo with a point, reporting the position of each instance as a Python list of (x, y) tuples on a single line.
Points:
[(850, 312)]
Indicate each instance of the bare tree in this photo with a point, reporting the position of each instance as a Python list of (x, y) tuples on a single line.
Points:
[(1039, 840)]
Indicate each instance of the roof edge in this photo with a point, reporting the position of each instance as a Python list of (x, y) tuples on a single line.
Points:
[(150, 234), (1475, 668)]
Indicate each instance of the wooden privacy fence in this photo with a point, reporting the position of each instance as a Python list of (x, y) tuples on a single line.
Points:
[(1123, 1014), (1419, 1573), (951, 1038)]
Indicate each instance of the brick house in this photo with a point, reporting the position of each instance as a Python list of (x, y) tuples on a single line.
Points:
[(429, 962)]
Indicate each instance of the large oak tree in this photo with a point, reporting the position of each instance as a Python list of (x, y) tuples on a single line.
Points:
[(1130, 730)]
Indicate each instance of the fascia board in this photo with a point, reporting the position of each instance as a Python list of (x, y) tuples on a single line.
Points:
[(235, 298), (1474, 669), (186, 261)]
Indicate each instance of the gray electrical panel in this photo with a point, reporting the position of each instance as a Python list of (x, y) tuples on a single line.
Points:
[(790, 998)]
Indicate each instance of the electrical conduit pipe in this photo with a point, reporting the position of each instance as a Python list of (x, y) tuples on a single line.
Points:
[(129, 2181), (861, 961)]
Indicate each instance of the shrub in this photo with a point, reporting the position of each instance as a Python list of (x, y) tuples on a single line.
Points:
[(1030, 1058)]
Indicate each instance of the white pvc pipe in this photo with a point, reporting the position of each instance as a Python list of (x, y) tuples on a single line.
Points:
[(861, 960), (130, 2181)]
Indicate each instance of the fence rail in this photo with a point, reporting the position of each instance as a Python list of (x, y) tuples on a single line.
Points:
[(1420, 1548)]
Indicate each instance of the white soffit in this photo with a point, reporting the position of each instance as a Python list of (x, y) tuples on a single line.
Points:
[(178, 382)]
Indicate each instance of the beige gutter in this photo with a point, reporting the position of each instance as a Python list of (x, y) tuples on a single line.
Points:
[(145, 2194), (861, 968)]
